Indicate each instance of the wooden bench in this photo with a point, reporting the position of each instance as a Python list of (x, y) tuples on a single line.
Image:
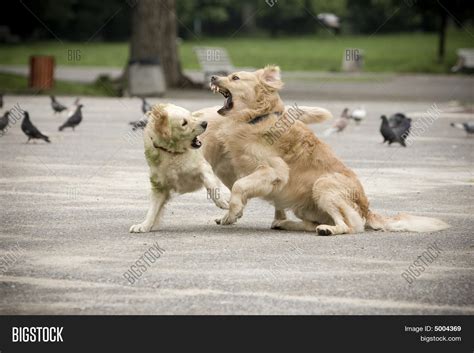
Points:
[(465, 60), (214, 61)]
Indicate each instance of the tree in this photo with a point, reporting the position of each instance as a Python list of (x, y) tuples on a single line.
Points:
[(154, 34), (458, 10)]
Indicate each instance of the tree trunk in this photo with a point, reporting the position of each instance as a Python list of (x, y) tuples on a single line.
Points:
[(154, 37), (442, 35)]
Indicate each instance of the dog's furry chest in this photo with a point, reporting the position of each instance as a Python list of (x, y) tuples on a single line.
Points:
[(179, 173)]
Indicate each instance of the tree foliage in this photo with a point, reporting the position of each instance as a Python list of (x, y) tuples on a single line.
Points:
[(110, 19)]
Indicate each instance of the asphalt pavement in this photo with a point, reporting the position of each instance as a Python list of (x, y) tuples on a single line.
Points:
[(66, 207)]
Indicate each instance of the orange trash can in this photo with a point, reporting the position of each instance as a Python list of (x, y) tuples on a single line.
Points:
[(41, 72)]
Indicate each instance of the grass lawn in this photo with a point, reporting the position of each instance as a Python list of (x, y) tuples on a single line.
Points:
[(15, 84), (406, 52)]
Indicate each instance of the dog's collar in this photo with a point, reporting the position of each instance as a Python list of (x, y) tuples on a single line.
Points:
[(260, 118), (167, 150)]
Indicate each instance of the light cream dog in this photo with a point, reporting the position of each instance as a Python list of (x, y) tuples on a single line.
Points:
[(292, 169), (176, 164), (220, 158)]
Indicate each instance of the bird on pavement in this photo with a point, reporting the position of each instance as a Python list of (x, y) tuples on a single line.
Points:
[(72, 109), (358, 115), (402, 131), (30, 130), (145, 106), (57, 107), (386, 130), (340, 124), (4, 122), (139, 124), (396, 119), (468, 126), (74, 120), (398, 134)]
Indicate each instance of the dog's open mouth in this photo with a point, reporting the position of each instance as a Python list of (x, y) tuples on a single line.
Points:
[(228, 104), (196, 143)]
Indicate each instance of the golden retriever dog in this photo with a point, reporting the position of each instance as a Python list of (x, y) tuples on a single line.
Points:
[(279, 159), (214, 142), (175, 161)]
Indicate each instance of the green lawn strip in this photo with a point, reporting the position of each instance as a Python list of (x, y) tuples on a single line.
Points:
[(15, 84)]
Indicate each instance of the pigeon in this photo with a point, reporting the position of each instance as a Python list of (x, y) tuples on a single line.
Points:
[(358, 115), (386, 130), (74, 120), (397, 134), (331, 21), (4, 122), (139, 124), (30, 130), (1, 100), (396, 120), (57, 107), (402, 131), (145, 106), (72, 109), (340, 124), (468, 127)]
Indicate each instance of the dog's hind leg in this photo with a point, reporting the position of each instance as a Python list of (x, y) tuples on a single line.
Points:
[(258, 184), (346, 219), (336, 196), (157, 201)]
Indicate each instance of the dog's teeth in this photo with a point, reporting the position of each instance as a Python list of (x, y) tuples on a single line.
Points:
[(217, 89)]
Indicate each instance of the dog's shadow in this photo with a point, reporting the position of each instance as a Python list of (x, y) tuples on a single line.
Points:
[(213, 230)]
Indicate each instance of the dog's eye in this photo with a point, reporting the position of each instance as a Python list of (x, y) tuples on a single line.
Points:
[(185, 122), (235, 78)]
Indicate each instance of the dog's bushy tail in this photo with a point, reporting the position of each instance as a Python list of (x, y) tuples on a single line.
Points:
[(312, 115), (404, 223)]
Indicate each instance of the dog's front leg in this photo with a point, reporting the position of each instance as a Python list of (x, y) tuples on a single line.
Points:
[(157, 201), (280, 215), (303, 226), (214, 187), (258, 184)]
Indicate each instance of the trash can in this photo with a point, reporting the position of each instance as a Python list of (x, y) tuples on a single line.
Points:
[(146, 78), (41, 72)]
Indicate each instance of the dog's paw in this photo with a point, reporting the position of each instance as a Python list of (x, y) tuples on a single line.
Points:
[(226, 220), (276, 224), (324, 230), (140, 228), (222, 203)]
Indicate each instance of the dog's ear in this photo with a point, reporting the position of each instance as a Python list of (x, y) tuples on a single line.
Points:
[(270, 75), (160, 121)]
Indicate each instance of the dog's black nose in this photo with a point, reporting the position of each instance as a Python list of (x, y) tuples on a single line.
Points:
[(213, 78), (204, 124)]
